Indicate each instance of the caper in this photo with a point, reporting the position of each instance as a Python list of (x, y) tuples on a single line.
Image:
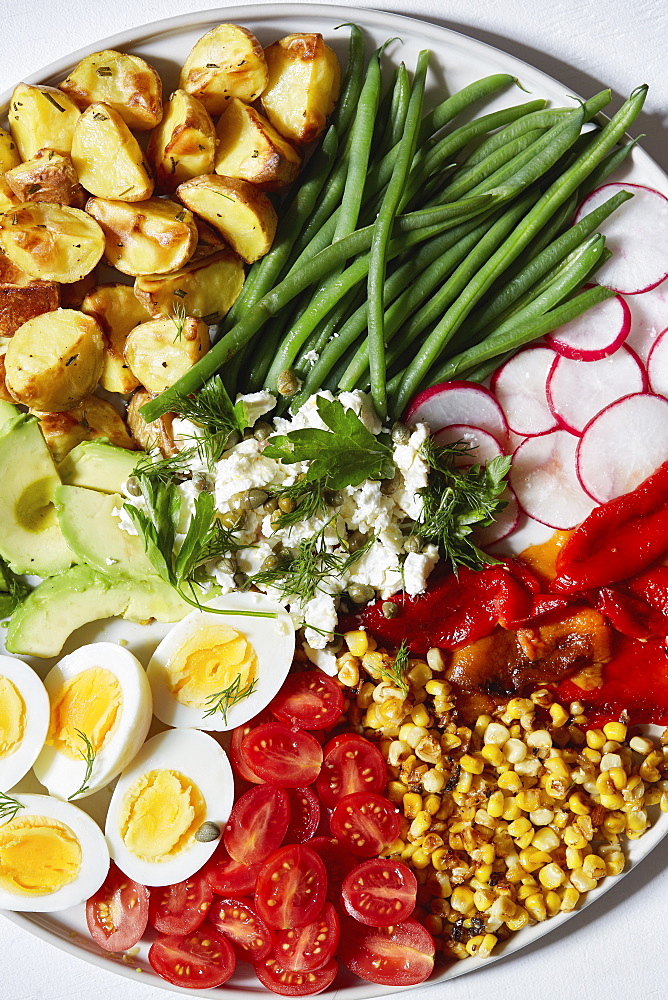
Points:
[(204, 483), (132, 487), (287, 382), (275, 518), (361, 593), (255, 498), (207, 832), (272, 562), (355, 541), (287, 505), (390, 486), (413, 544), (333, 498), (335, 646), (240, 580), (234, 437), (270, 505), (389, 609), (248, 433), (400, 433), (232, 519), (262, 430)]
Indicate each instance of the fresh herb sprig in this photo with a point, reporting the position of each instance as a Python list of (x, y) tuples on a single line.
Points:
[(395, 671), (13, 590), (212, 409), (223, 701), (309, 500), (88, 754), (9, 807)]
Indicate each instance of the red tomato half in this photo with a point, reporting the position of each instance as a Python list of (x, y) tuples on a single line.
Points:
[(338, 862), (291, 887), (400, 955), (237, 761), (295, 984), (304, 815), (287, 757), (180, 908), (304, 949), (117, 914), (232, 878), (379, 892), (351, 764), (365, 823), (310, 700), (236, 920), (257, 824), (197, 961)]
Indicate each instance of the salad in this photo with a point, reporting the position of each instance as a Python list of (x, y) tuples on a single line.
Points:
[(370, 737)]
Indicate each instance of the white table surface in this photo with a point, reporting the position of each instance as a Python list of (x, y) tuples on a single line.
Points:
[(617, 949)]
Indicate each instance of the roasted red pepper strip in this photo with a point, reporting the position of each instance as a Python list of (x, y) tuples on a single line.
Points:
[(618, 539), (629, 615)]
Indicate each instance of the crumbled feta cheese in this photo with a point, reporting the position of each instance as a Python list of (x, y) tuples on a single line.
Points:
[(367, 510), (378, 567), (222, 577), (243, 468), (320, 611), (360, 403), (256, 404), (125, 522), (417, 567), (414, 472), (310, 357), (306, 416), (324, 659), (250, 560)]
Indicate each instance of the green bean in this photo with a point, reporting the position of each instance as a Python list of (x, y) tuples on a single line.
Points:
[(443, 113), (351, 85), (326, 329), (465, 180), (484, 370), (606, 167), (396, 116)]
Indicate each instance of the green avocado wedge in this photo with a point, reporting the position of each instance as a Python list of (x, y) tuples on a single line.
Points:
[(98, 466), (7, 412)]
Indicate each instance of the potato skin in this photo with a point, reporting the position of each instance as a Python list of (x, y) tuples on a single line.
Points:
[(23, 297), (9, 154), (117, 310), (108, 158), (157, 434), (145, 237), (206, 288), (183, 144), (41, 117), (93, 418), (303, 86), (124, 82), (161, 351), (49, 176), (52, 242), (226, 62), (237, 209), (251, 149)]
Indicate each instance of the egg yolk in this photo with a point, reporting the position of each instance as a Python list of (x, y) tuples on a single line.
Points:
[(12, 718), (213, 661), (160, 815), (89, 703), (38, 856)]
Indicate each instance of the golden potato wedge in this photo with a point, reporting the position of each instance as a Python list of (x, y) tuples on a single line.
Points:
[(55, 360), (41, 118), (9, 154), (148, 237), (239, 210), (154, 435), (303, 86), (161, 351), (206, 288), (5, 394), (7, 197), (183, 144), (93, 418), (209, 240), (250, 148), (49, 176), (72, 295), (226, 62), (117, 310), (62, 432), (108, 158), (126, 83), (53, 242), (23, 297)]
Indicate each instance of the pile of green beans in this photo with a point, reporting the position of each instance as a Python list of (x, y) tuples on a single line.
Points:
[(420, 246)]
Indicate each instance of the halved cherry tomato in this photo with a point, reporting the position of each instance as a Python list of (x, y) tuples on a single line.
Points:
[(309, 700), (379, 892), (291, 887), (117, 914), (399, 955), (239, 765), (197, 961), (232, 878), (350, 764), (304, 949), (338, 862), (257, 824), (288, 757), (180, 908), (365, 823), (295, 984), (246, 931), (304, 815)]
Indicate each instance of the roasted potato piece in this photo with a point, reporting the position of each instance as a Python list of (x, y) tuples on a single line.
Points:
[(93, 418), (303, 86), (154, 435), (242, 213), (41, 118), (209, 240), (148, 237), (207, 288), (23, 297), (250, 148), (183, 144), (117, 310), (72, 295), (9, 154), (53, 242), (48, 176), (123, 82), (107, 157), (55, 360), (5, 394), (161, 351), (226, 62)]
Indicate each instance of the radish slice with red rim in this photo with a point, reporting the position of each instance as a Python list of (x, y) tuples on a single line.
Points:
[(449, 403), (520, 388), (578, 390), (595, 334), (623, 445), (503, 525), (637, 234), (657, 364), (544, 479), (484, 446)]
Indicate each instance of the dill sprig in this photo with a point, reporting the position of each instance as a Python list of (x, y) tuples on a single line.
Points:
[(88, 754), (179, 318), (395, 671), (223, 701), (212, 409), (9, 807), (309, 499)]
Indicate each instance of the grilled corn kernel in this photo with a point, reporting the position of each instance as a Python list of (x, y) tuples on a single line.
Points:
[(519, 827), (569, 899), (614, 863), (412, 804), (414, 735), (493, 755), (357, 642), (435, 660), (349, 673), (519, 919), (514, 750), (535, 905), (596, 739), (636, 821), (450, 741), (551, 876), (510, 781), (529, 799), (420, 716), (539, 739), (473, 765), (612, 801), (641, 745), (396, 790), (577, 805), (420, 824), (464, 781), (545, 840), (496, 734), (559, 715), (615, 731), (496, 804), (437, 689), (511, 811), (419, 859), (552, 903), (365, 696), (432, 803), (618, 778), (433, 780), (419, 673), (558, 767), (574, 857), (462, 899), (438, 858), (581, 881)]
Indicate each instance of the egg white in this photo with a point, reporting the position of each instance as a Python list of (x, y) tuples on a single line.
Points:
[(94, 856), (64, 776), (204, 762), (272, 638), (36, 701)]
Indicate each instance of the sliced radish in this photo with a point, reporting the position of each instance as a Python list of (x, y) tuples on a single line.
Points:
[(484, 446), (637, 234), (657, 364), (503, 525), (596, 334), (544, 479), (623, 445), (449, 403), (578, 390), (520, 387)]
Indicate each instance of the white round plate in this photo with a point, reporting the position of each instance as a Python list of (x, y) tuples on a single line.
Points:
[(457, 60)]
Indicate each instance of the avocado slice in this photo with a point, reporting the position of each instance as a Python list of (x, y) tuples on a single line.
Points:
[(31, 540), (98, 466), (7, 412)]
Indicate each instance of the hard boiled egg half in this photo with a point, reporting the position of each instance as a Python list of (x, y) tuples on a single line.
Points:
[(52, 854), (216, 671), (100, 714), (24, 719), (180, 780)]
